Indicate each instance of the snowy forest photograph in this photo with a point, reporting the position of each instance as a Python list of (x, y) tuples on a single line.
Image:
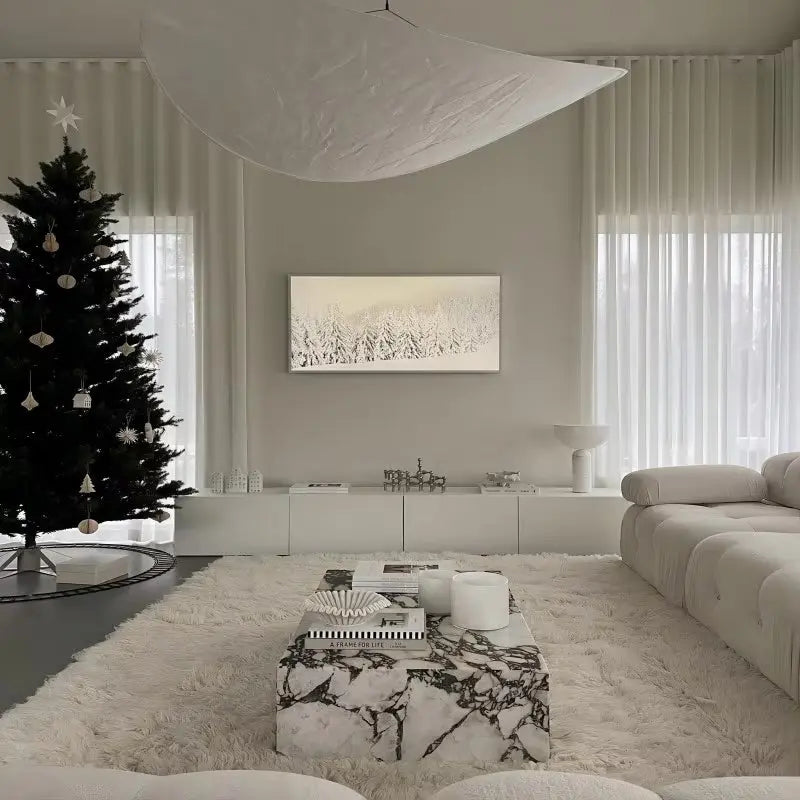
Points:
[(395, 324)]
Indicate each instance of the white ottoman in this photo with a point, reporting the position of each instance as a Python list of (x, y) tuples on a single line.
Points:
[(30, 782), (529, 785), (734, 789)]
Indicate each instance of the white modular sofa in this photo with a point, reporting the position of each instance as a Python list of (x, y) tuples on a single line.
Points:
[(29, 782), (724, 542)]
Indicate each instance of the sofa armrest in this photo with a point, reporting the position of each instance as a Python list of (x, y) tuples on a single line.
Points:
[(695, 485)]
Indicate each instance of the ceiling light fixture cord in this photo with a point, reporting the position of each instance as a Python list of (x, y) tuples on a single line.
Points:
[(392, 12)]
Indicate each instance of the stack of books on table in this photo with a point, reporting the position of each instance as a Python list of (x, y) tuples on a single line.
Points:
[(517, 487), (397, 577), (394, 628), (319, 488)]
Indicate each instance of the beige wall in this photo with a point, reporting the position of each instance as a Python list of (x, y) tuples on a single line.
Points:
[(512, 208)]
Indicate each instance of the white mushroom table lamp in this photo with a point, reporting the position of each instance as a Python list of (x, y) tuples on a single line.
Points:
[(582, 439)]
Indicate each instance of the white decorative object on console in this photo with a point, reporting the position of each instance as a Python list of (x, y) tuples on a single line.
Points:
[(217, 483), (479, 601), (582, 438), (236, 482), (434, 590), (255, 481)]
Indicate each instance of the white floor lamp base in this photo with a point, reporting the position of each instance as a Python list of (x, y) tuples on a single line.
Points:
[(582, 471)]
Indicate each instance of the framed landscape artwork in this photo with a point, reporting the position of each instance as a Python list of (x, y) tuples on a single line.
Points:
[(420, 323)]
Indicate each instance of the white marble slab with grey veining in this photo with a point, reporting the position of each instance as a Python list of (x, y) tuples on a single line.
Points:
[(468, 697)]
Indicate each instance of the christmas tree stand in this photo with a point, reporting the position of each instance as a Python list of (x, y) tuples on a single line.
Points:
[(29, 559)]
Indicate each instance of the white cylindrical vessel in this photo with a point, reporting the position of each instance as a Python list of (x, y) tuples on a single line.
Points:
[(582, 471), (434, 590), (479, 601)]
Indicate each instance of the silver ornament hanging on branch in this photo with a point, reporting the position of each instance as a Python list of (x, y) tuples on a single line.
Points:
[(41, 339), (153, 357), (126, 348), (88, 526), (82, 400), (90, 195), (127, 435), (50, 243), (66, 281), (29, 403)]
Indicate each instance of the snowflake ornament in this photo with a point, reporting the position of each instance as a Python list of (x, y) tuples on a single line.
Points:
[(127, 435), (64, 115), (153, 357)]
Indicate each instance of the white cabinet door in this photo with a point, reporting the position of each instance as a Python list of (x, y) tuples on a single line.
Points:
[(345, 523), (558, 521), (465, 523), (232, 525)]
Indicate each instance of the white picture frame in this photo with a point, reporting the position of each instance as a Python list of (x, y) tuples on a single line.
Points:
[(394, 323)]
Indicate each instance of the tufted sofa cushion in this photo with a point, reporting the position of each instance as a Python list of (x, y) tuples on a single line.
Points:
[(694, 484), (29, 782), (657, 541), (746, 588), (782, 474)]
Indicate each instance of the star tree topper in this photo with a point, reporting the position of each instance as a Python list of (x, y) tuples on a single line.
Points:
[(64, 115)]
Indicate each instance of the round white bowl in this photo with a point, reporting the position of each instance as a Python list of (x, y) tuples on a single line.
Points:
[(346, 606)]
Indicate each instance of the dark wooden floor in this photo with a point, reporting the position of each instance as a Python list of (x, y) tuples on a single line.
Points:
[(39, 638)]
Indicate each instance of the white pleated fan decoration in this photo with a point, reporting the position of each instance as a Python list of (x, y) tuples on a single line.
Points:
[(346, 607), (323, 93)]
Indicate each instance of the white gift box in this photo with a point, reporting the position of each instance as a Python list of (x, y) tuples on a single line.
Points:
[(91, 569)]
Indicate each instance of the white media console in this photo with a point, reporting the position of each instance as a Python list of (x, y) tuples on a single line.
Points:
[(368, 519)]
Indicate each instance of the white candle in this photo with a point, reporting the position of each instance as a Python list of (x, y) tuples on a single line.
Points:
[(434, 590), (480, 601)]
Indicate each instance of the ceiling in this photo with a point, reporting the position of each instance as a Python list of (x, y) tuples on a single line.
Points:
[(109, 28)]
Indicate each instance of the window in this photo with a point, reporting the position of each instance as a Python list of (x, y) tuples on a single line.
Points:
[(687, 339)]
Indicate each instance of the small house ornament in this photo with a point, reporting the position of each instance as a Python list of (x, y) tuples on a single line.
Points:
[(236, 482), (217, 483), (255, 482), (82, 399)]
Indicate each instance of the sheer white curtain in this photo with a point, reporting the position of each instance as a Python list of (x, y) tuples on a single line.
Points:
[(691, 253), (182, 213)]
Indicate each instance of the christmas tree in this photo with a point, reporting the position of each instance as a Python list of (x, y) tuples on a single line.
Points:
[(79, 394)]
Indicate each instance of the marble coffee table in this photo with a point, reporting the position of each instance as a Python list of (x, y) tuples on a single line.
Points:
[(470, 697)]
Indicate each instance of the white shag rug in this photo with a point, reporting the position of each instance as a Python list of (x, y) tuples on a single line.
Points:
[(639, 690)]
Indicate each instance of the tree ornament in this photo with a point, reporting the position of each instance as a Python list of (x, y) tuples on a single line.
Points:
[(102, 251), (88, 526), (66, 281), (64, 115), (41, 339), (82, 400), (153, 357), (149, 433), (87, 486), (160, 516), (90, 195), (127, 435), (124, 260), (126, 348), (50, 244), (29, 403), (115, 291)]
